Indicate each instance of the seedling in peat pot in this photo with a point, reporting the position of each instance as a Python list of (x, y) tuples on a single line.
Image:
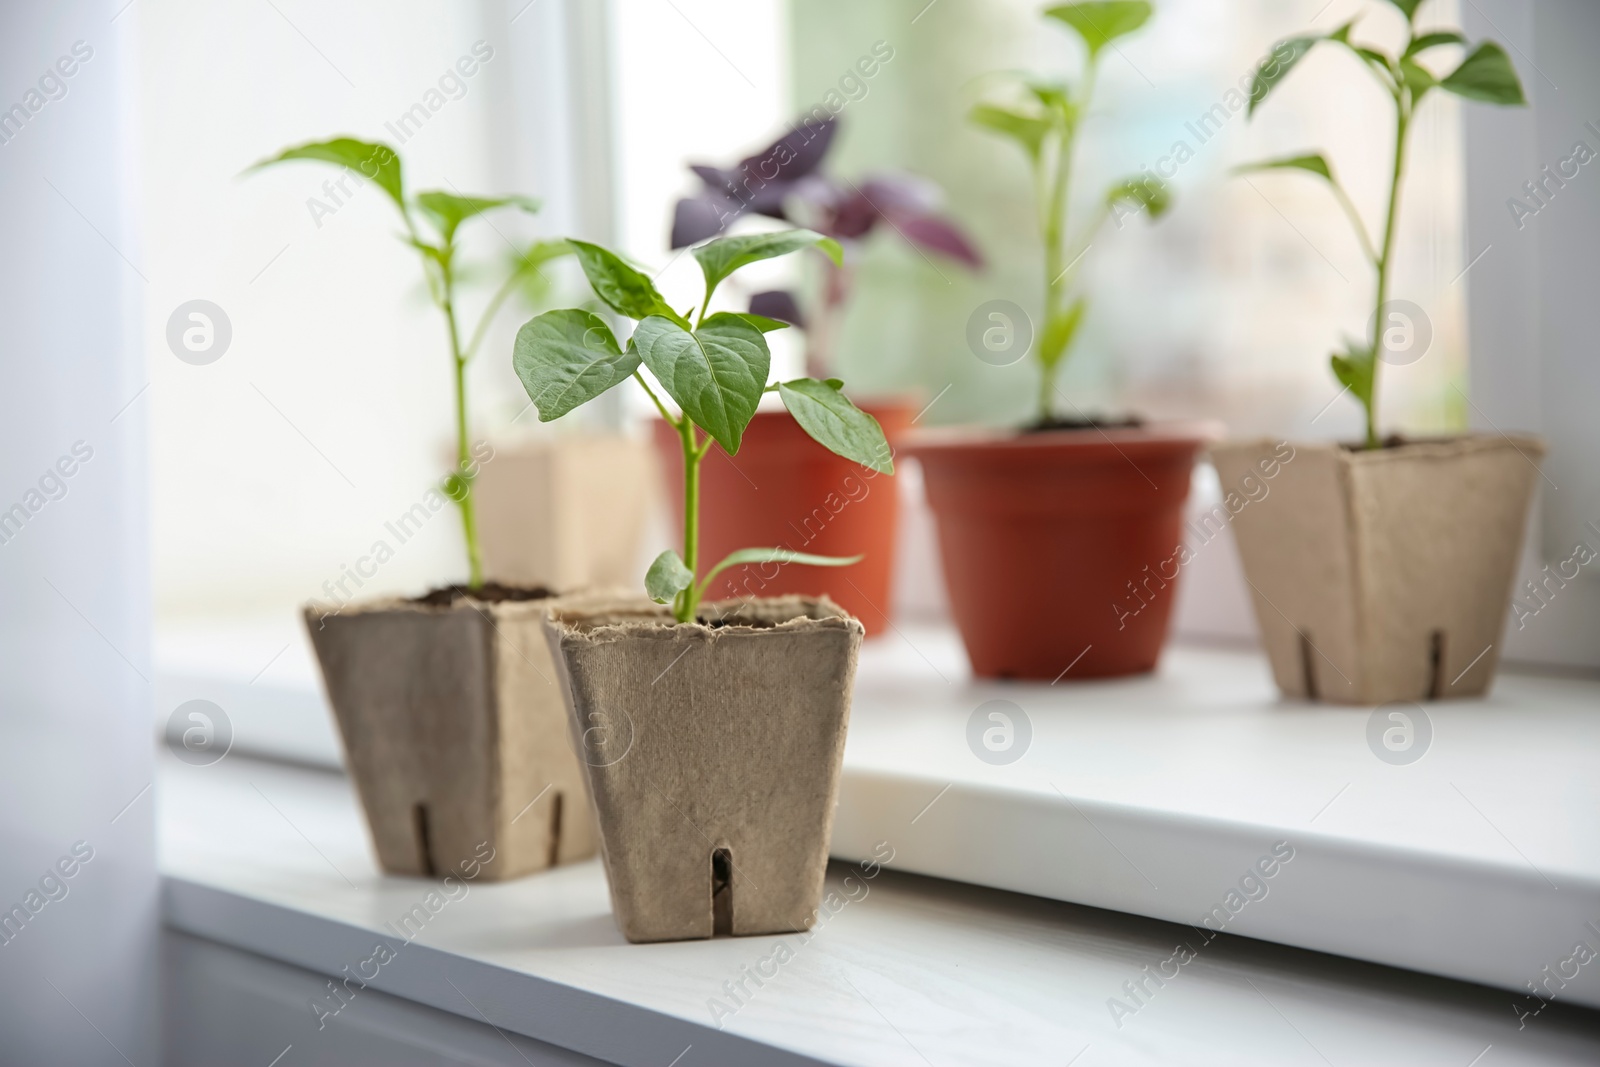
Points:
[(1485, 74), (715, 369), (445, 212)]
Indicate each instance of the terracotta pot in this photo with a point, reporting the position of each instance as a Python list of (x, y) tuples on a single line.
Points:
[(455, 733), (1384, 575), (785, 490), (712, 754), (1058, 546)]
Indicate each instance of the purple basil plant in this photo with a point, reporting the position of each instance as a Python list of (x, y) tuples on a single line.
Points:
[(784, 181)]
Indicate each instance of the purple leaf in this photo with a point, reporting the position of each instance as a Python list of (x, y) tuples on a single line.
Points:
[(794, 155), (699, 217), (778, 304), (934, 234)]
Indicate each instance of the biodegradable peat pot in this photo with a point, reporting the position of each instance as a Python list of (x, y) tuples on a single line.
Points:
[(566, 511), (712, 753), (1048, 538), (1384, 575), (454, 730), (784, 490)]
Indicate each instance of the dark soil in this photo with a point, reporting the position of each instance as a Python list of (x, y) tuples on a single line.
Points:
[(1394, 440), (1093, 422), (488, 592)]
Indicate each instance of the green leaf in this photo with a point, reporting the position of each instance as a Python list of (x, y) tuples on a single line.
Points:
[(1057, 102), (624, 289), (1285, 55), (1354, 369), (1408, 7), (716, 374), (1099, 22), (1313, 162), (447, 210), (1432, 40), (1486, 75), (774, 555), (723, 256), (1027, 130), (1059, 331), (1142, 192), (371, 160), (1418, 79), (667, 577), (567, 358), (760, 322), (836, 424)]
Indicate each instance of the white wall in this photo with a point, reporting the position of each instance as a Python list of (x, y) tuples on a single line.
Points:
[(79, 983)]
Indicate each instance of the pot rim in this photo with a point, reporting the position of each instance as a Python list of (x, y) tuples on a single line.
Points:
[(1530, 445), (1196, 433), (602, 618)]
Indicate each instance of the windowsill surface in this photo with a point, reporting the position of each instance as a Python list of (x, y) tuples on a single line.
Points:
[(1152, 796), (274, 859)]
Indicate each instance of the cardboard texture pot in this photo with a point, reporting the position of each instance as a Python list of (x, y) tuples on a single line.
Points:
[(784, 490), (452, 724), (712, 754), (1384, 575), (1053, 543), (543, 522)]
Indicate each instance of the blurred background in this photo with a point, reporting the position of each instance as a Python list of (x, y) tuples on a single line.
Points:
[(275, 466)]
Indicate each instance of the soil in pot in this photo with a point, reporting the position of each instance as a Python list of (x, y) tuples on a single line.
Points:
[(1061, 549), (454, 730), (1383, 575), (785, 490), (712, 752)]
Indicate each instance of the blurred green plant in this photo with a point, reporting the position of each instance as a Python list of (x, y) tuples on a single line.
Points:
[(715, 370), (1044, 117), (1486, 75), (444, 212)]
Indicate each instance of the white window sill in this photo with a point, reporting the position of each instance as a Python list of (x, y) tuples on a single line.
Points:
[(1150, 796)]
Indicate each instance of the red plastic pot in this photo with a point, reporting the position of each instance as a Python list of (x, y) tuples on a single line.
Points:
[(785, 490), (1061, 550)]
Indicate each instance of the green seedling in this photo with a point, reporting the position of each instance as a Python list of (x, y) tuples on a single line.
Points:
[(714, 369), (1044, 117), (1486, 75), (444, 213)]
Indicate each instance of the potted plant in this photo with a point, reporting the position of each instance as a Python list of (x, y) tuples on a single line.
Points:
[(785, 489), (452, 724), (1382, 570), (712, 732), (1045, 532)]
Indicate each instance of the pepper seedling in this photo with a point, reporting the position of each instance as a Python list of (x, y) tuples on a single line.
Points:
[(1044, 117), (1486, 75), (715, 369), (445, 212)]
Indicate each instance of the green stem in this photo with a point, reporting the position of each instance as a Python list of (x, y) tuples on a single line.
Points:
[(689, 599), (1059, 187), (463, 479), (489, 311), (1402, 123)]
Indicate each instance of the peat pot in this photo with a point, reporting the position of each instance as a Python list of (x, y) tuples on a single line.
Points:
[(1059, 547), (712, 751), (784, 490), (1384, 575), (454, 731), (565, 510)]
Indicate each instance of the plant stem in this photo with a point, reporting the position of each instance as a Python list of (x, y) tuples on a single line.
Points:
[(688, 600), (1057, 187), (1402, 123), (463, 478)]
